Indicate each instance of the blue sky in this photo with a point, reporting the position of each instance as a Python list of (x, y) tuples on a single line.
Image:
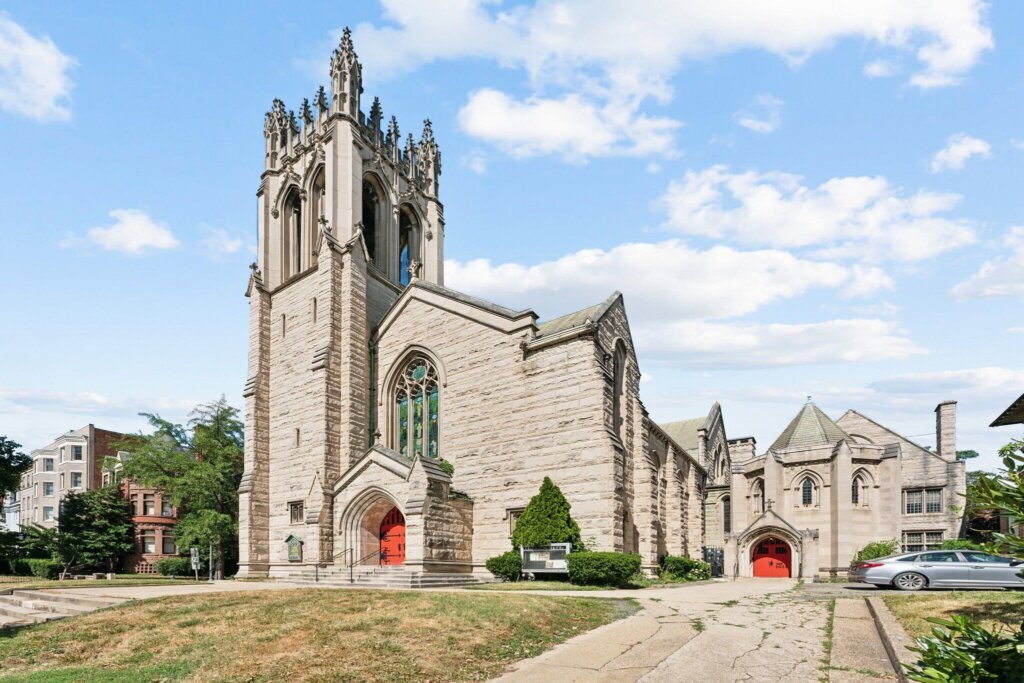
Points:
[(824, 201)]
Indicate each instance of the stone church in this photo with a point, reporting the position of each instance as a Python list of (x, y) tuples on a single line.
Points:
[(395, 426)]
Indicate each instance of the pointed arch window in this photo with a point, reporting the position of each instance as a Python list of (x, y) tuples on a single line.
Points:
[(408, 245), (807, 492), (417, 408), (292, 229), (371, 210), (318, 209), (618, 388), (727, 514), (758, 496), (855, 495)]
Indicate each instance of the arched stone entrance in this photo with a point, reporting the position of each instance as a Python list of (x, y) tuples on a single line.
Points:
[(373, 530), (772, 557)]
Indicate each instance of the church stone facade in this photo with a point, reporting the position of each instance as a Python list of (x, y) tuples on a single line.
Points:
[(395, 425)]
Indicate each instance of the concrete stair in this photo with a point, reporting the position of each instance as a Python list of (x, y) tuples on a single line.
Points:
[(27, 607), (379, 577)]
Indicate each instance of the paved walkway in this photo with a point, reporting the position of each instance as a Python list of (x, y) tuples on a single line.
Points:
[(744, 630)]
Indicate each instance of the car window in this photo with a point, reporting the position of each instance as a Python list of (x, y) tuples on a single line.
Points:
[(938, 557), (909, 558), (984, 557)]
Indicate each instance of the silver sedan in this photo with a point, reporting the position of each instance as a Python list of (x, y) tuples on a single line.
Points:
[(940, 569)]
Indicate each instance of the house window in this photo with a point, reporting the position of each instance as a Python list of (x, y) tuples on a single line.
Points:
[(62, 453), (61, 481), (134, 503), (933, 500), (47, 464), (76, 452), (912, 506), (148, 504), (165, 508), (416, 409), (148, 541), (727, 514), (48, 488), (295, 513), (914, 541), (807, 493), (922, 500), (513, 515), (76, 480), (169, 548), (47, 514)]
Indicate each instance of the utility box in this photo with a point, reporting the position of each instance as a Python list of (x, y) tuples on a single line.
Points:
[(549, 560)]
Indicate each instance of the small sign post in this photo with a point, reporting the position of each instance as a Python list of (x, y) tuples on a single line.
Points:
[(194, 553)]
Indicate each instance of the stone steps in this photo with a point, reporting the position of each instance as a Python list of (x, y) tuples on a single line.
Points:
[(381, 577), (27, 607), (68, 598), (25, 614)]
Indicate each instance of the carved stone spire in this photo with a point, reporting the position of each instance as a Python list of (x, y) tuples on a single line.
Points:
[(293, 125), (409, 157), (428, 162), (306, 112), (346, 77), (376, 116), (276, 119), (321, 101)]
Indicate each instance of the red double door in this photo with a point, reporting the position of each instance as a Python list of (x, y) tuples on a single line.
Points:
[(392, 538), (772, 559)]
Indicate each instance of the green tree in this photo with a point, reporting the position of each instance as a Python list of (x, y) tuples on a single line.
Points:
[(38, 541), (546, 520), (199, 467), (966, 455), (1004, 491), (13, 463), (94, 529)]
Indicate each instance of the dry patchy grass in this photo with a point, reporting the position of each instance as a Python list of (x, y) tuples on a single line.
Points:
[(28, 583), (307, 635), (990, 608), (533, 586)]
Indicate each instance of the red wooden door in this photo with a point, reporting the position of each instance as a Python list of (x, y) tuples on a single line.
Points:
[(392, 538), (772, 558)]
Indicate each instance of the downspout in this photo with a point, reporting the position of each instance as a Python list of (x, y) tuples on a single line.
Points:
[(373, 393)]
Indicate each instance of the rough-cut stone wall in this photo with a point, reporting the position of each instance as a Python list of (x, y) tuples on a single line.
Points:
[(448, 529)]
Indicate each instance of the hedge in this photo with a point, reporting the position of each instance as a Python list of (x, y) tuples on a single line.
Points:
[(44, 569), (602, 568), (14, 566), (507, 566), (685, 568), (174, 566), (877, 549)]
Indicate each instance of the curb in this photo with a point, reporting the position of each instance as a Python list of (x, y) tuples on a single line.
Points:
[(894, 638)]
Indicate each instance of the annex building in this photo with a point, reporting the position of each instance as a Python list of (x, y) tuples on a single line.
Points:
[(395, 425)]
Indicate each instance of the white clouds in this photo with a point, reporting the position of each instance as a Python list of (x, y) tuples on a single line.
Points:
[(572, 126), (969, 382), (763, 116), (34, 80), (133, 232), (1002, 276), (880, 68), (1016, 330), (959, 148), (846, 217), (84, 403), (717, 345), (601, 59), (674, 293), (218, 243), (476, 161)]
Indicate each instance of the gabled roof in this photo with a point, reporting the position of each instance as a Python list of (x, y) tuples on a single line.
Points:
[(684, 432), (1011, 416), (566, 322), (810, 427)]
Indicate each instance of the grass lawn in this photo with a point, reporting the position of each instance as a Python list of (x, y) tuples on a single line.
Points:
[(534, 586), (990, 608), (314, 635)]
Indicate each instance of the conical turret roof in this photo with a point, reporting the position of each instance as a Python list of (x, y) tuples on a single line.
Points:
[(810, 427)]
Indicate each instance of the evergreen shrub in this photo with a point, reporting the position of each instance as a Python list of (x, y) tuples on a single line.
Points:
[(546, 520), (507, 566), (602, 568), (43, 569), (174, 566), (685, 568)]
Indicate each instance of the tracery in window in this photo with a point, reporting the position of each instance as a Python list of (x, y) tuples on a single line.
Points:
[(807, 492), (416, 410)]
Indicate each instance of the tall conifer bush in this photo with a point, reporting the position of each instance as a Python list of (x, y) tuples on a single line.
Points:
[(546, 520)]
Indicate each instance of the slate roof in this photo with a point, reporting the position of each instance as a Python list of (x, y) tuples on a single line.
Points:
[(577, 318), (1012, 415), (684, 432), (810, 427)]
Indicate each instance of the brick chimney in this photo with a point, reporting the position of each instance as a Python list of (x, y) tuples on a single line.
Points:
[(945, 430)]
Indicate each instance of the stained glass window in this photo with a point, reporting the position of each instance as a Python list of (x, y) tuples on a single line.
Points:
[(417, 410)]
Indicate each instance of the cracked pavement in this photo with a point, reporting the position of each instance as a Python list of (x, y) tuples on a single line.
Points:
[(743, 630)]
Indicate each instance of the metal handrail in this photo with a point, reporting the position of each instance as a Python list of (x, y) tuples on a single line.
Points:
[(351, 567), (323, 565)]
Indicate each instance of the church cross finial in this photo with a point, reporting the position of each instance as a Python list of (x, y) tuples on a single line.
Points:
[(768, 504)]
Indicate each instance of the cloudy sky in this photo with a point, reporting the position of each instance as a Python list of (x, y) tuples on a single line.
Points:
[(797, 198)]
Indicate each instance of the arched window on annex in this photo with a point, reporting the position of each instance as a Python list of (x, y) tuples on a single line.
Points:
[(726, 514), (409, 232), (808, 490), (416, 409), (860, 489), (374, 216), (619, 389), (757, 496), (293, 244)]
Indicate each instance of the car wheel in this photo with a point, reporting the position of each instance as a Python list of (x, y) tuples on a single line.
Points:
[(911, 581)]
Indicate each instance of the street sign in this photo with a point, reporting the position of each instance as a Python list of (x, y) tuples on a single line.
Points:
[(194, 552)]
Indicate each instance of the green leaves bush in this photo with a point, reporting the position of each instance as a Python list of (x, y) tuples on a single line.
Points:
[(174, 566), (14, 566), (684, 568), (507, 566), (877, 549), (546, 520), (960, 651), (43, 569), (602, 569)]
